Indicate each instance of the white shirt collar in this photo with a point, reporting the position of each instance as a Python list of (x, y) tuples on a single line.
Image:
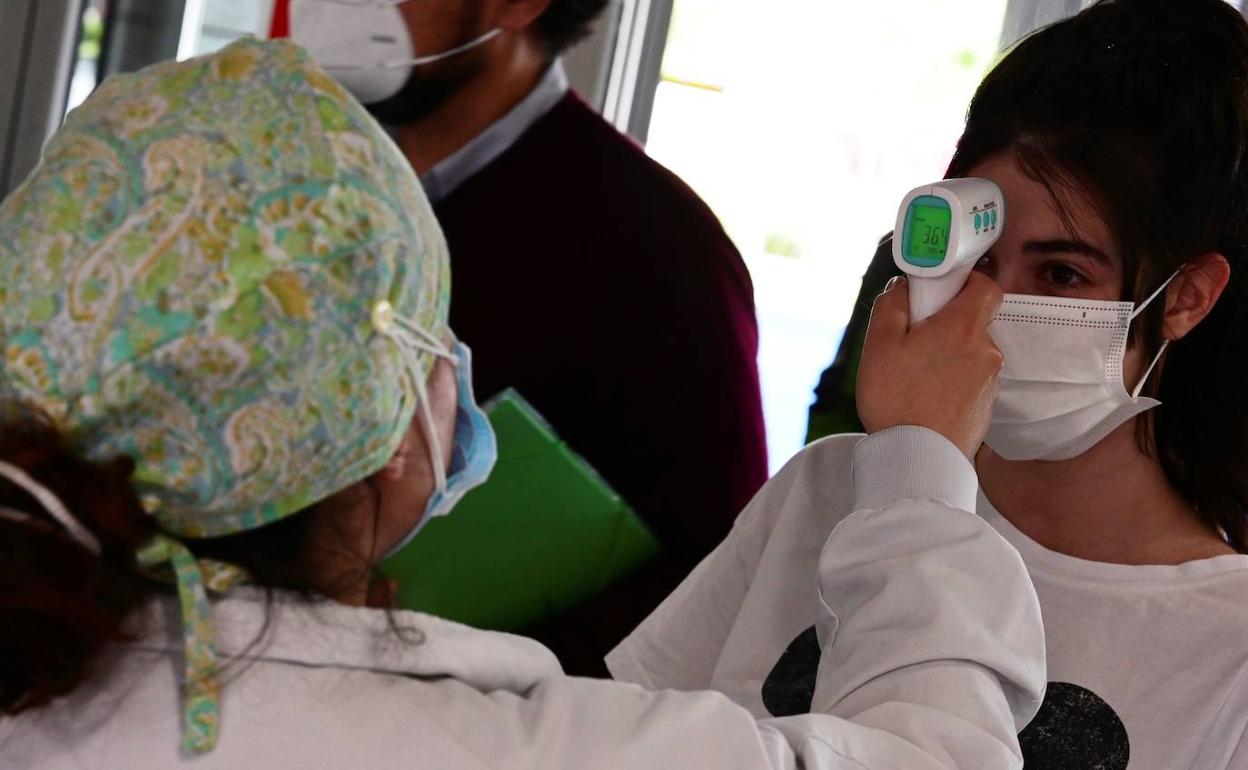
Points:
[(485, 148)]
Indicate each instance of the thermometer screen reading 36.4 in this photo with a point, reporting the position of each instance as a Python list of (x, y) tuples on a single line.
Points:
[(929, 232)]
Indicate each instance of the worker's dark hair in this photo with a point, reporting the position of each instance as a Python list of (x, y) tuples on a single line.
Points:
[(61, 605), (566, 22), (1141, 106)]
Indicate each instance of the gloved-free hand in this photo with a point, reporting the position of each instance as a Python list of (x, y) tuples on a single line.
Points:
[(939, 374)]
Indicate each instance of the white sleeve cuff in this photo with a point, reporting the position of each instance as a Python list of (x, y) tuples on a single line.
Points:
[(912, 463)]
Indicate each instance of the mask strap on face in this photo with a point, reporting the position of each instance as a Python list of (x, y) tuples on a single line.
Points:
[(433, 57), (412, 340)]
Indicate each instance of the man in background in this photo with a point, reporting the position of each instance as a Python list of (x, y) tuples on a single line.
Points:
[(586, 276)]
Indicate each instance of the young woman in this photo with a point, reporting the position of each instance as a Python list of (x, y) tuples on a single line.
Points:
[(224, 290), (1119, 138)]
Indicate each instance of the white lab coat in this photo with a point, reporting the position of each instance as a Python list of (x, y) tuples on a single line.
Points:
[(916, 677)]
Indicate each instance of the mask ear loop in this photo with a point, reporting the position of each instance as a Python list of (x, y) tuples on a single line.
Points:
[(1139, 387), (1140, 308), (419, 60), (426, 341), (51, 504), (411, 339)]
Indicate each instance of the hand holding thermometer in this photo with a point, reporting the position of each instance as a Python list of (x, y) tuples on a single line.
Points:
[(942, 231)]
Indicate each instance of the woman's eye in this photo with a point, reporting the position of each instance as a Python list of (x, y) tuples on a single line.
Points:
[(1064, 275)]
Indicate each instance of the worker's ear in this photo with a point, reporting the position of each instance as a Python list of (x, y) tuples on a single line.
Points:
[(1193, 293), (517, 15), (397, 466)]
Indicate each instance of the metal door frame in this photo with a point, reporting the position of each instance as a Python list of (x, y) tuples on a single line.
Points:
[(37, 42), (636, 65)]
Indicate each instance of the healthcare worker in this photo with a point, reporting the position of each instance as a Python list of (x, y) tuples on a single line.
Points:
[(225, 292), (1116, 457)]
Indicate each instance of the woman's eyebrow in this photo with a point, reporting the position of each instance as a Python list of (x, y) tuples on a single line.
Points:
[(1066, 246)]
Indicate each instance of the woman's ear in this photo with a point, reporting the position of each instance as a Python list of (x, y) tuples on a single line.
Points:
[(1193, 294), (397, 466)]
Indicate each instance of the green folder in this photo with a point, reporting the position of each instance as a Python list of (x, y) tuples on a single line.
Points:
[(542, 535)]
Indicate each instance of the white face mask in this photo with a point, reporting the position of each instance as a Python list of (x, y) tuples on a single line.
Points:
[(1061, 387), (364, 43)]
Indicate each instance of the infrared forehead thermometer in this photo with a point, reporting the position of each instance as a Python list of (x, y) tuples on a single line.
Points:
[(942, 230)]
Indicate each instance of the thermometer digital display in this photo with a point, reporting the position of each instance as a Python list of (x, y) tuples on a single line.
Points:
[(942, 230), (927, 230)]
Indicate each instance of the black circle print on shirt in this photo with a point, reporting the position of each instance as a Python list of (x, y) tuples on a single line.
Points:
[(790, 687), (1075, 729)]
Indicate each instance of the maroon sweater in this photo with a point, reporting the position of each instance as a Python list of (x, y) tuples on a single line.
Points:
[(598, 285)]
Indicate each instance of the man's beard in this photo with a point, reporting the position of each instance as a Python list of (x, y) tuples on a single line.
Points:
[(428, 87)]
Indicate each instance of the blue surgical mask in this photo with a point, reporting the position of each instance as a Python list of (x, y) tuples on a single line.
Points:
[(473, 452)]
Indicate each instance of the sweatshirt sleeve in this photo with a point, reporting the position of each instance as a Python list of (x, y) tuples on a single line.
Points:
[(929, 624), (912, 463), (933, 649)]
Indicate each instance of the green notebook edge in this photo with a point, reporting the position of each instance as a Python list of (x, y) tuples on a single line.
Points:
[(543, 534)]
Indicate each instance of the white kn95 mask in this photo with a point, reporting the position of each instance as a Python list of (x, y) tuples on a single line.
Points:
[(364, 44)]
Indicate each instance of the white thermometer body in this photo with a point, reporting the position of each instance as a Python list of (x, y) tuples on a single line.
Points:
[(942, 230)]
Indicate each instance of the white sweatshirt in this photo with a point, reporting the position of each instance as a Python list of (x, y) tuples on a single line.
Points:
[(934, 655), (1146, 664)]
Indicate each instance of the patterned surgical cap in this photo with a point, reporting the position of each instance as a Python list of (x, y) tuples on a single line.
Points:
[(190, 278)]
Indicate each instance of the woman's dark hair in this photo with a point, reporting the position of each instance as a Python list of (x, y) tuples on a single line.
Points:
[(61, 605), (565, 22), (1141, 106)]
